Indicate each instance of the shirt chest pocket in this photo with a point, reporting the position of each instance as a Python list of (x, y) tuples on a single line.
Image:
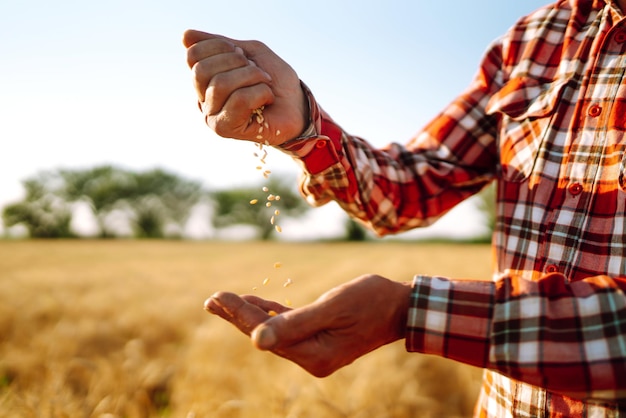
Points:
[(526, 108)]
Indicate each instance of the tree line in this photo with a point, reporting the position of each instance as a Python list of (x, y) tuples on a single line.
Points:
[(157, 204)]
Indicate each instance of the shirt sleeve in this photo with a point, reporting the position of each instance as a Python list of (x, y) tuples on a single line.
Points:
[(565, 337), (400, 187)]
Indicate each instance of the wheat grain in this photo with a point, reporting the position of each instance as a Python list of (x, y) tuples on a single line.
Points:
[(260, 119), (258, 114)]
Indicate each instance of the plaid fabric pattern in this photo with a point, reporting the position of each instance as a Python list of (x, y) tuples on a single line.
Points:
[(544, 118)]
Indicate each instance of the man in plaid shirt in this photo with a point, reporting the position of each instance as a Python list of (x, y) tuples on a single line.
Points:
[(544, 118)]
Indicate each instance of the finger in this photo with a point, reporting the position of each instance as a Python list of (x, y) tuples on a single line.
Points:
[(209, 48), (266, 305), (316, 354), (291, 328), (191, 37), (212, 306), (229, 306), (206, 69), (319, 354), (235, 117), (224, 84)]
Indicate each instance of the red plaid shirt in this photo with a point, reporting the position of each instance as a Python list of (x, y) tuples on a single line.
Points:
[(544, 118)]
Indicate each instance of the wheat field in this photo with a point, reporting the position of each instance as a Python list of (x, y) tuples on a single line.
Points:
[(110, 329)]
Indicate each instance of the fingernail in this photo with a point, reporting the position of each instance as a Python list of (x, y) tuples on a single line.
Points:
[(239, 50), (211, 303), (263, 337)]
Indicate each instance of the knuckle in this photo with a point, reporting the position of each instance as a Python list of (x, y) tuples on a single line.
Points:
[(221, 129), (215, 88), (238, 60), (320, 367), (199, 71), (238, 100), (321, 371), (192, 55), (255, 45)]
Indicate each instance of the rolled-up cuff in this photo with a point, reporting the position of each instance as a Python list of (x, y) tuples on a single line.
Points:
[(452, 319)]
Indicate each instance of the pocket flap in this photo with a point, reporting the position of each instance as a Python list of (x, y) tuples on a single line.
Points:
[(523, 97)]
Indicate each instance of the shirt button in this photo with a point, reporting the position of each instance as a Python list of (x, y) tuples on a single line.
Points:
[(320, 144), (552, 268), (575, 188), (620, 37), (594, 111)]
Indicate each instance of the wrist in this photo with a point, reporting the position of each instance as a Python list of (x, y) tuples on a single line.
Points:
[(308, 126), (403, 298)]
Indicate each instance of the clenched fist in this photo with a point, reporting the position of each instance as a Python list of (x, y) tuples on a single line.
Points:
[(234, 80)]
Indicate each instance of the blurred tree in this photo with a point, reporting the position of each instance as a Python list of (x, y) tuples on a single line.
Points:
[(42, 212), (233, 207), (355, 231), (151, 200), (164, 198), (487, 205), (106, 188), (149, 217)]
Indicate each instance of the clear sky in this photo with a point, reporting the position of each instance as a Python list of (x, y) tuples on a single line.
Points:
[(85, 83)]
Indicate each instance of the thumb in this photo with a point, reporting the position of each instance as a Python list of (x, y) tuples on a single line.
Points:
[(264, 337), (289, 328)]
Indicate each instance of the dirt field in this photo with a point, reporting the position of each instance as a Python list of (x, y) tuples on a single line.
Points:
[(116, 329)]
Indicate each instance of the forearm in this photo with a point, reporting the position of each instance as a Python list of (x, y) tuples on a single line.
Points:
[(569, 338), (394, 188)]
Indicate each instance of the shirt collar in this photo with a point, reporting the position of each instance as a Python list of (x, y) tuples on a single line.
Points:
[(616, 10)]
